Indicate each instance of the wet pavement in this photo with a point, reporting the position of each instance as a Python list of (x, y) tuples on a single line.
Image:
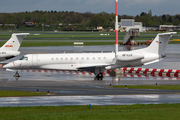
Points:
[(86, 100)]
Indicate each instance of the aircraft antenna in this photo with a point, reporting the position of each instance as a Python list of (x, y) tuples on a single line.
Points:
[(116, 29)]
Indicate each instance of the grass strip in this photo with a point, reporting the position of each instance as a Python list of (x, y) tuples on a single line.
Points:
[(62, 36), (163, 87), (59, 43), (56, 43), (80, 35), (122, 112), (9, 93)]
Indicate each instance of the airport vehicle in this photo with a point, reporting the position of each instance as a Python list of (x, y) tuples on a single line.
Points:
[(11, 47), (95, 62)]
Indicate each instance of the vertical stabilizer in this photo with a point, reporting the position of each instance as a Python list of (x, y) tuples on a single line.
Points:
[(159, 44), (14, 42)]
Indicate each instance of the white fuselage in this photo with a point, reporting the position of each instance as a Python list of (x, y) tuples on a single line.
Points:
[(63, 61), (74, 61), (5, 55)]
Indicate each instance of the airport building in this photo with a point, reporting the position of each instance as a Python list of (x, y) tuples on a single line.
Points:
[(152, 28), (8, 26), (29, 24), (126, 24), (169, 27), (100, 28)]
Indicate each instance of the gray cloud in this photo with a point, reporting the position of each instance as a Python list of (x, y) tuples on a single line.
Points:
[(129, 7)]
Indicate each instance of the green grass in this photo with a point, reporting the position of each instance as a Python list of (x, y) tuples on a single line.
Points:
[(119, 112), (70, 43), (164, 87), (9, 93), (57, 43), (174, 42), (67, 35), (46, 38), (77, 35)]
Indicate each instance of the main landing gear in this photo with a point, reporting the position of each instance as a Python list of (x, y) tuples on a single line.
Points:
[(17, 75), (99, 76)]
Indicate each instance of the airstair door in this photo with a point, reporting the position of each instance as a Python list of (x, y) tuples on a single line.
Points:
[(35, 60)]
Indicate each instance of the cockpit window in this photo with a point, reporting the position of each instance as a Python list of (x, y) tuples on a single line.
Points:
[(24, 58), (21, 58)]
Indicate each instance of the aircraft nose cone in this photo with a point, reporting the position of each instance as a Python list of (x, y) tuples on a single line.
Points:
[(9, 65)]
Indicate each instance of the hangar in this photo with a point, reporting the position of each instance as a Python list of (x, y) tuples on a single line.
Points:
[(126, 24)]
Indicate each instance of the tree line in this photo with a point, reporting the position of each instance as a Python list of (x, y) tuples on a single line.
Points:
[(85, 20)]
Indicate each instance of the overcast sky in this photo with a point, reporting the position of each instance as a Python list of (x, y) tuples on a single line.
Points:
[(128, 7)]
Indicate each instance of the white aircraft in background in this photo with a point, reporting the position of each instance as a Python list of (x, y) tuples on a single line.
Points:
[(95, 62), (11, 47)]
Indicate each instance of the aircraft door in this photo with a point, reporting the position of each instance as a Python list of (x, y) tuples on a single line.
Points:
[(35, 60)]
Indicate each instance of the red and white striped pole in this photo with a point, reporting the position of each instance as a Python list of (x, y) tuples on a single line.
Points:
[(116, 29)]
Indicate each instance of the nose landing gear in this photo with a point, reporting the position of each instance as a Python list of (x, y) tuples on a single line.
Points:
[(17, 75)]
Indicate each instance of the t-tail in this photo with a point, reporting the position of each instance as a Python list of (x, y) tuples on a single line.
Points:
[(159, 44), (14, 42)]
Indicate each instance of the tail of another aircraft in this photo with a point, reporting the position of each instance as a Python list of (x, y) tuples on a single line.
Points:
[(14, 42), (159, 44)]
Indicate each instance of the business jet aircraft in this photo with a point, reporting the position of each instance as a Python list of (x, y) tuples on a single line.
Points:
[(11, 47), (95, 62)]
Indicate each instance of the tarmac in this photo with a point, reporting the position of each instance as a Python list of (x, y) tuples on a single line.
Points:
[(84, 92), (78, 88)]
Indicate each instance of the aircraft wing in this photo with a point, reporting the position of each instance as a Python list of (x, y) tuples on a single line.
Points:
[(3, 63), (92, 68)]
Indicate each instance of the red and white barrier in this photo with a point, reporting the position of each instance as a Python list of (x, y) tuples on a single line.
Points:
[(151, 77), (128, 72), (124, 72), (161, 74), (148, 75), (146, 70), (107, 73), (153, 72)]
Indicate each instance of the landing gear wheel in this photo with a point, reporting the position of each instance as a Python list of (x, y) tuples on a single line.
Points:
[(99, 77), (17, 75)]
